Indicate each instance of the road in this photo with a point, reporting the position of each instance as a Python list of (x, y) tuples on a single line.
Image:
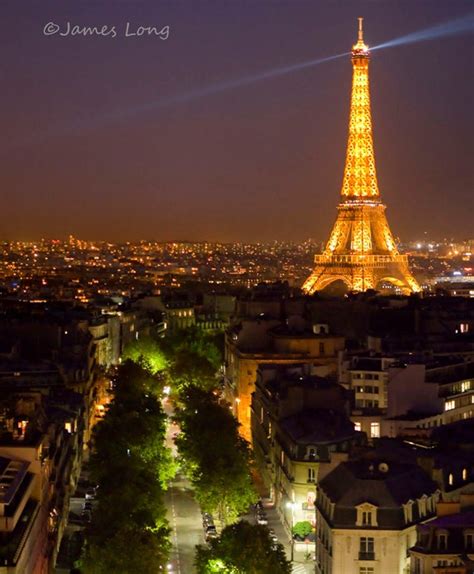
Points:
[(183, 512), (184, 516)]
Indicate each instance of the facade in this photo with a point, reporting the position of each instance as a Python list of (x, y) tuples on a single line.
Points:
[(445, 545), (366, 516), (252, 342), (300, 431), (361, 250)]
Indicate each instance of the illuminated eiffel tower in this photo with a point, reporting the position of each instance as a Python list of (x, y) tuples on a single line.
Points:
[(361, 250)]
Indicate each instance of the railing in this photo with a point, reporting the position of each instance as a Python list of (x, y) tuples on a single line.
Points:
[(366, 555), (361, 259)]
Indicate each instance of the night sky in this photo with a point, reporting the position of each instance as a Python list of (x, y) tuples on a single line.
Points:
[(100, 139)]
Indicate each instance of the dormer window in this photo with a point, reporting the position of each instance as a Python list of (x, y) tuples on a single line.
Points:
[(422, 505), (450, 479), (311, 453), (469, 539), (366, 515), (408, 511), (442, 540)]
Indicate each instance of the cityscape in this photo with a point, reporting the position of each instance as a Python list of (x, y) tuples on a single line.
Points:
[(252, 381)]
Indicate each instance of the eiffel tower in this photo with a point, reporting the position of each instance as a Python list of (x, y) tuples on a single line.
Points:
[(361, 250)]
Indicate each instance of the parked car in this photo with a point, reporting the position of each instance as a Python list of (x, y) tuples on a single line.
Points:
[(207, 519), (91, 493), (211, 532), (262, 518), (273, 538), (86, 516), (87, 505)]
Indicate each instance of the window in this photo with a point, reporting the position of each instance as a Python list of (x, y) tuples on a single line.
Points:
[(375, 430), (465, 386), (469, 540), (442, 541), (366, 549), (464, 327), (311, 474), (449, 405), (408, 511), (357, 426), (321, 348), (464, 473), (450, 479), (366, 570), (312, 454), (367, 518)]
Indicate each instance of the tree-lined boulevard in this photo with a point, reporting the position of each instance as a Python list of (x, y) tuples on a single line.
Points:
[(168, 450)]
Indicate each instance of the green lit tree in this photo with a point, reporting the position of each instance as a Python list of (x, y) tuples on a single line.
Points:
[(147, 351), (216, 458), (132, 465), (242, 548)]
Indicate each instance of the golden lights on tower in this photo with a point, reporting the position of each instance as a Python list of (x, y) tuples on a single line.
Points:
[(361, 250)]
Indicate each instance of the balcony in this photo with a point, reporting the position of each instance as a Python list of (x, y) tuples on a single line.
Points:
[(366, 555)]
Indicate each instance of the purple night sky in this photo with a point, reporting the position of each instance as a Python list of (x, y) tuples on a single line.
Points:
[(88, 149)]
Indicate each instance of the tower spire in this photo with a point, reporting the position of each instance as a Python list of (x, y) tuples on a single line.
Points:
[(360, 178), (361, 250)]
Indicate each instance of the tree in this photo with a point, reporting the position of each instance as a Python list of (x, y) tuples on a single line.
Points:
[(242, 548), (147, 351), (217, 459), (302, 529), (132, 466)]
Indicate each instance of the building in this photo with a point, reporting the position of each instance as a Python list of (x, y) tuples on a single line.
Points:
[(361, 251), (41, 445), (300, 431), (445, 545), (367, 511), (252, 342)]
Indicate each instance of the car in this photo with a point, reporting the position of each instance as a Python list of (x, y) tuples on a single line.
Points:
[(207, 519), (87, 505), (211, 532), (273, 538), (91, 493), (262, 518), (259, 506), (86, 516)]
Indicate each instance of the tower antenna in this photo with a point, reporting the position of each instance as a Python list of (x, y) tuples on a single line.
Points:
[(361, 31)]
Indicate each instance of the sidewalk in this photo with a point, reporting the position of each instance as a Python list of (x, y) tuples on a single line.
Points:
[(300, 564)]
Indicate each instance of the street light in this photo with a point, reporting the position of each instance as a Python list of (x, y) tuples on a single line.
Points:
[(291, 506)]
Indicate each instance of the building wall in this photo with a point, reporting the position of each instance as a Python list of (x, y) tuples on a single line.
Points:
[(390, 550)]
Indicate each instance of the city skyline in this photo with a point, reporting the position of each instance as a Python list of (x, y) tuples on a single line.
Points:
[(114, 151)]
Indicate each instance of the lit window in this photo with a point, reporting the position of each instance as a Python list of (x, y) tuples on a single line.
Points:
[(375, 430), (465, 386), (450, 479), (311, 474), (464, 473), (449, 405), (357, 427)]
